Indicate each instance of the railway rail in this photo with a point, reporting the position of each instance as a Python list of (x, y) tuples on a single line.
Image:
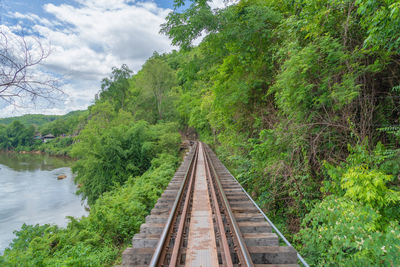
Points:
[(205, 218)]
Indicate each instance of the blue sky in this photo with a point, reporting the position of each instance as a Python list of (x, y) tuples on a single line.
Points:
[(36, 6), (87, 38), (28, 6)]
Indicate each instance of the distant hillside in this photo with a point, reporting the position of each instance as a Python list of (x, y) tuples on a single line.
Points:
[(30, 119), (37, 119)]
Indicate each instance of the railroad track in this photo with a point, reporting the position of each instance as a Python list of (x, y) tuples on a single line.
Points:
[(204, 218)]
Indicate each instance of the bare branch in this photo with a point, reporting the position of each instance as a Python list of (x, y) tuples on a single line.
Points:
[(20, 78)]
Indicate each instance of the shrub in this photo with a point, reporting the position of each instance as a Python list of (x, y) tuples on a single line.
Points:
[(341, 232)]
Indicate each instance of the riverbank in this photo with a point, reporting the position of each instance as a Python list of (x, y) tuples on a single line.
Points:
[(48, 152), (31, 193)]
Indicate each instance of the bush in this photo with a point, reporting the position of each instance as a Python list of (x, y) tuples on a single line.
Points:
[(96, 240), (358, 224), (107, 158), (341, 232)]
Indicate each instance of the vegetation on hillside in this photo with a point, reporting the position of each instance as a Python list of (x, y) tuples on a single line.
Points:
[(98, 239), (24, 133), (16, 135), (38, 120), (30, 119), (299, 99), (125, 159)]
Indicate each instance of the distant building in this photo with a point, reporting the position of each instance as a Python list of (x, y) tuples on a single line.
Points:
[(48, 137)]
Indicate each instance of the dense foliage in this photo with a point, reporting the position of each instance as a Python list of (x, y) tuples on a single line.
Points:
[(16, 135), (299, 98), (30, 119), (109, 153), (95, 240), (125, 156), (24, 133)]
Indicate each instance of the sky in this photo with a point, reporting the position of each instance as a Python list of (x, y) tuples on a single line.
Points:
[(87, 38)]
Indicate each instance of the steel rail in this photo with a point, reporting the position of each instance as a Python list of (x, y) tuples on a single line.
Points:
[(164, 235), (301, 259), (178, 239), (244, 253), (225, 245)]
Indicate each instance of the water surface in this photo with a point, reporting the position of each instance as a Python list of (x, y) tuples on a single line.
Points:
[(30, 193)]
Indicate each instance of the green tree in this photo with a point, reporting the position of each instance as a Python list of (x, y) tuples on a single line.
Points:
[(115, 88), (341, 232), (112, 147), (157, 77), (16, 135)]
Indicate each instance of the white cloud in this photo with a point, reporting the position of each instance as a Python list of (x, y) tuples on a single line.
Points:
[(89, 38), (219, 4), (35, 19)]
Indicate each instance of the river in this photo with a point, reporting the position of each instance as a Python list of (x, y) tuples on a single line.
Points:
[(30, 193)]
